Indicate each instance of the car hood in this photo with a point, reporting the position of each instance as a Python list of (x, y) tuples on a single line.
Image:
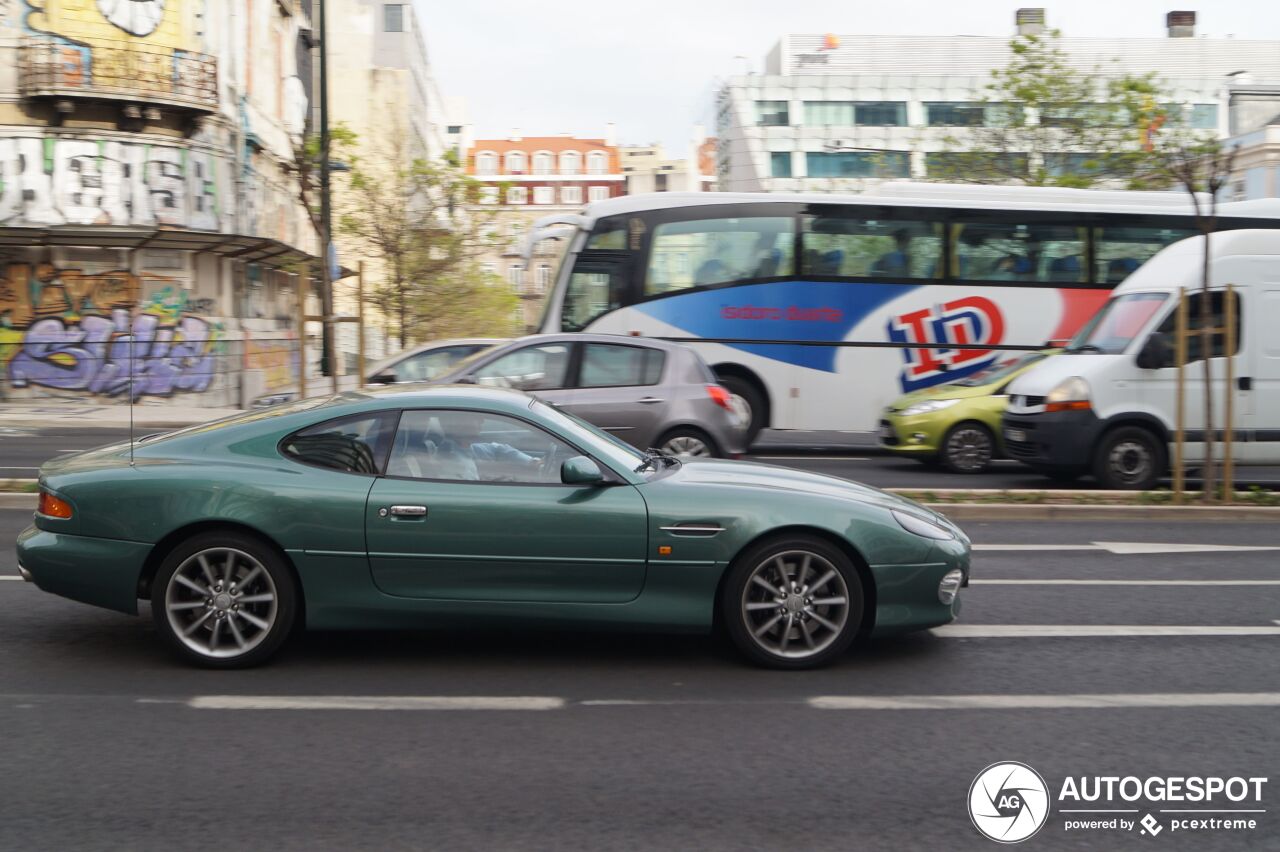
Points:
[(763, 477), (947, 391), (1046, 375)]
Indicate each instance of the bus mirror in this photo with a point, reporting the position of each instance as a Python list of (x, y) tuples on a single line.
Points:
[(1156, 352)]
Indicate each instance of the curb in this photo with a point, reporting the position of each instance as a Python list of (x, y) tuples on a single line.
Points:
[(18, 501), (1099, 512)]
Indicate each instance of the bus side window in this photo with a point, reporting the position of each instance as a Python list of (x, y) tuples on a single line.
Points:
[(1120, 251), (871, 248), (985, 251), (704, 252)]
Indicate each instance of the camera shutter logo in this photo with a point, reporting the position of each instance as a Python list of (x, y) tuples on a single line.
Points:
[(1008, 802)]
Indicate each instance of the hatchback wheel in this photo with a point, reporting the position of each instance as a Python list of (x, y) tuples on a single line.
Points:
[(688, 443), (793, 603), (968, 448), (224, 600)]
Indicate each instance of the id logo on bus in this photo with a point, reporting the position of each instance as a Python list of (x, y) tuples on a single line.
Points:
[(970, 320)]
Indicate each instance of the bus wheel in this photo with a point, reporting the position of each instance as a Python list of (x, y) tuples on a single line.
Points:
[(1130, 458), (968, 448), (748, 403)]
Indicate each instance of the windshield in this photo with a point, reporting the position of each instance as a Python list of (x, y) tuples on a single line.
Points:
[(591, 437), (1113, 328), (999, 370)]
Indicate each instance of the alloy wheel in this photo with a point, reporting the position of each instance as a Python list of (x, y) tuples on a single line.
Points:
[(221, 602), (687, 446), (968, 449), (795, 604)]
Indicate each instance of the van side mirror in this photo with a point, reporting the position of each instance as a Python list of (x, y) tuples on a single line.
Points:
[(1156, 352), (580, 470)]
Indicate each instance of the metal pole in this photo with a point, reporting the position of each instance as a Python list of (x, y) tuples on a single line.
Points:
[(327, 359), (1228, 466), (302, 337), (1179, 442), (360, 326)]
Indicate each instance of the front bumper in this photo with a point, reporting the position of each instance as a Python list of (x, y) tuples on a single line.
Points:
[(99, 571), (1052, 440), (916, 435), (907, 595)]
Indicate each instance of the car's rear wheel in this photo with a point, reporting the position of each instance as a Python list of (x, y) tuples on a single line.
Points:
[(224, 599), (968, 448), (748, 403), (688, 443), (792, 603)]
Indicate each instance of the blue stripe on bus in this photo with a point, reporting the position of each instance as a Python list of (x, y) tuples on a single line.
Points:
[(823, 311)]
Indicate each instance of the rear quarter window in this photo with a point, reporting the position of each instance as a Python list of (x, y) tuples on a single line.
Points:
[(354, 444)]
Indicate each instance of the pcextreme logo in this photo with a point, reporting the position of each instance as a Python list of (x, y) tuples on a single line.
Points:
[(1008, 802)]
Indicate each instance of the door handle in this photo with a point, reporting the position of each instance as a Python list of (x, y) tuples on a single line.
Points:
[(649, 400), (404, 512), (1244, 383)]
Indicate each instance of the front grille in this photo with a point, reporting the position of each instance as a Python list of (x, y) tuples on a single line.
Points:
[(1024, 401), (888, 437), (1020, 449)]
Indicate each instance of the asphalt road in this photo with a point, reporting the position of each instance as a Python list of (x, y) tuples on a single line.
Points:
[(657, 742), (23, 450)]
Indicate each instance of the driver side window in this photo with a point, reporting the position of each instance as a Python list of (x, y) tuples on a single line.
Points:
[(474, 446), (544, 367)]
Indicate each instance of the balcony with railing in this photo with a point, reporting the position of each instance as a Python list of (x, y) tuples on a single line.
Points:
[(121, 71)]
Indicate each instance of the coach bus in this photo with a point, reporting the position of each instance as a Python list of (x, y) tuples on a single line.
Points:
[(815, 311)]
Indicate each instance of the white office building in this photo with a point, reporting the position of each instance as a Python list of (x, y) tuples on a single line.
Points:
[(833, 113)]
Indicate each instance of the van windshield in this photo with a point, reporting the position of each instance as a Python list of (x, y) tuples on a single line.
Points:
[(1119, 321)]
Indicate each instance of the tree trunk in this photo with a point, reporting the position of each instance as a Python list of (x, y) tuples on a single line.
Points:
[(1206, 354)]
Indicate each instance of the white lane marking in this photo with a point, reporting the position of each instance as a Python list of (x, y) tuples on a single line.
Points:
[(375, 702), (1045, 702), (1012, 582), (1127, 548), (10, 577), (1041, 631), (16, 467)]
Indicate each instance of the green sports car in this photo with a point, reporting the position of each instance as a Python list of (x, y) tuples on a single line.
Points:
[(956, 424), (454, 506)]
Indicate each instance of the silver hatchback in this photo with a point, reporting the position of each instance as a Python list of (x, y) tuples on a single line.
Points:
[(647, 392)]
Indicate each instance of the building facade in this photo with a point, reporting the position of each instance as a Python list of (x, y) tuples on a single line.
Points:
[(151, 237), (647, 168), (834, 113), (528, 177)]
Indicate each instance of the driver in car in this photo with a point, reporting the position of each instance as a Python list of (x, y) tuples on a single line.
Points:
[(457, 454)]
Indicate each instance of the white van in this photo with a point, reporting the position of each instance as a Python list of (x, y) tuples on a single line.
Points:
[(1107, 406)]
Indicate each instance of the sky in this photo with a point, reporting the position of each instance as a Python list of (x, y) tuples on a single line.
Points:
[(650, 66)]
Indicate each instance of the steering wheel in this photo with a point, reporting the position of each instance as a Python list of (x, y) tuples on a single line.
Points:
[(549, 469)]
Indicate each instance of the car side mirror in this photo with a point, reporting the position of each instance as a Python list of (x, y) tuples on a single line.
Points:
[(580, 470), (386, 377), (1156, 352)]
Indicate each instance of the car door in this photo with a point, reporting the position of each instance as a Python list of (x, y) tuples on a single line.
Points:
[(542, 369), (472, 508), (619, 389), (427, 365)]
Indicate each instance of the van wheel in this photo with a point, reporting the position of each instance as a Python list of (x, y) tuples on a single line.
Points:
[(968, 448), (1129, 458)]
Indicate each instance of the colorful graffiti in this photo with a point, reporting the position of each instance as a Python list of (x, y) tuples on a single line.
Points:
[(98, 22), (28, 292), (47, 181), (276, 359)]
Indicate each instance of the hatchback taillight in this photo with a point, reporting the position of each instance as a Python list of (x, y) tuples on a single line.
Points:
[(719, 396), (53, 507)]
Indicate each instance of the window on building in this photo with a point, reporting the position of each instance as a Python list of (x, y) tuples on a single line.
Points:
[(515, 275), (1204, 116), (393, 17), (515, 162), (488, 195), (543, 163), (486, 163), (544, 195), (542, 276), (858, 164), (780, 164), (1084, 115), (570, 195), (517, 195), (660, 183), (871, 248), (849, 113), (489, 268), (772, 113), (1120, 251), (954, 114), (952, 165), (597, 163), (570, 163), (1060, 164), (453, 128), (720, 250), (598, 193), (999, 252)]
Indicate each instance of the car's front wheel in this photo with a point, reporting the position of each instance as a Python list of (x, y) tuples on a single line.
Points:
[(224, 599), (968, 448), (792, 603)]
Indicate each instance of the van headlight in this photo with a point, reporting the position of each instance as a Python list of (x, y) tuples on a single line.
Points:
[(1068, 395), (928, 405), (921, 527)]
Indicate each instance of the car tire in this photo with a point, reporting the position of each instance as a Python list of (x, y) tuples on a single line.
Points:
[(752, 402), (796, 630), (1130, 458), (967, 447), (688, 442), (207, 614)]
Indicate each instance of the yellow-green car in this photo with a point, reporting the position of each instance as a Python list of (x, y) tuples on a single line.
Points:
[(956, 424)]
